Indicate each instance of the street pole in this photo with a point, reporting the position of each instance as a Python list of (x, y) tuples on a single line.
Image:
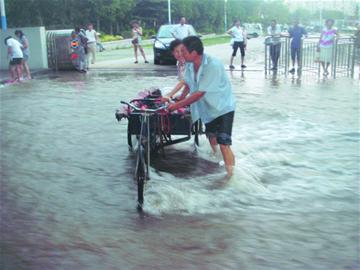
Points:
[(320, 13), (3, 16), (169, 11), (225, 16)]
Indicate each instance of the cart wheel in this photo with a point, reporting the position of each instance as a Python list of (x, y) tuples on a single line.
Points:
[(140, 176)]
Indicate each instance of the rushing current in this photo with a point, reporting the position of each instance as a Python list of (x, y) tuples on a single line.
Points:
[(68, 198)]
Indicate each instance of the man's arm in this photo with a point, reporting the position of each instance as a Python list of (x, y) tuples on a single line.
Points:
[(187, 101), (184, 93), (177, 88)]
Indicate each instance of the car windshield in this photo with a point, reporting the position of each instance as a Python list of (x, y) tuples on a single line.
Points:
[(166, 30)]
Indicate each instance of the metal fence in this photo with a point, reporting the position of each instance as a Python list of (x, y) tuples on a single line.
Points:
[(343, 62), (59, 50)]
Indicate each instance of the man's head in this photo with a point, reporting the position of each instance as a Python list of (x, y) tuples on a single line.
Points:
[(6, 39), (90, 26), (273, 23), (182, 20), (329, 23), (237, 23), (296, 22), (135, 24), (193, 48), (176, 48), (19, 33)]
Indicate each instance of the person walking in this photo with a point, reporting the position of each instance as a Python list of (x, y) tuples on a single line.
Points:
[(177, 48), (15, 55), (274, 31), (297, 32), (211, 98), (92, 39), (26, 51), (326, 45), (182, 30), (136, 41), (78, 45), (239, 41)]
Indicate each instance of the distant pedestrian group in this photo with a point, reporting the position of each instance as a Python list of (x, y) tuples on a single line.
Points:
[(84, 44)]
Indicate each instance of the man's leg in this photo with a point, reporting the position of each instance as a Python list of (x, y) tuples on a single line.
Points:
[(19, 71), (223, 138), (92, 48), (229, 158), (213, 144)]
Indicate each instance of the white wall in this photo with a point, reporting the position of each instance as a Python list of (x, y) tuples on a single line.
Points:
[(37, 44)]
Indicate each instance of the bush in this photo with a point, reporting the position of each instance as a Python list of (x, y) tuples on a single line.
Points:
[(105, 38)]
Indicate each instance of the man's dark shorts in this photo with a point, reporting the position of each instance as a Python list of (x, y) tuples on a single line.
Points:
[(221, 128), (15, 61)]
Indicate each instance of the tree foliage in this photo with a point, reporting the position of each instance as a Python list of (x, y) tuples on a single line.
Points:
[(113, 16)]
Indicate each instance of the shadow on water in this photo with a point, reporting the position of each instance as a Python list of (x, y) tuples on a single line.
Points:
[(183, 163)]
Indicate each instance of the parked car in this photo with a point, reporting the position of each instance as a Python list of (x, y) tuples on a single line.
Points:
[(163, 38), (253, 30)]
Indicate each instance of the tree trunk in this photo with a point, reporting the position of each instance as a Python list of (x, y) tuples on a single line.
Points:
[(111, 29), (117, 28), (98, 24)]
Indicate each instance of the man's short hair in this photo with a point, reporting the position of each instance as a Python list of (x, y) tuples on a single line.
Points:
[(6, 39), (193, 43), (174, 44)]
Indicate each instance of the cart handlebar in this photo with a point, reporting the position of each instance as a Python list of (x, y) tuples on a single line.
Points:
[(146, 110)]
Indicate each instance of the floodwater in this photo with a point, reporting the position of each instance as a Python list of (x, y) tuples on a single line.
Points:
[(68, 199)]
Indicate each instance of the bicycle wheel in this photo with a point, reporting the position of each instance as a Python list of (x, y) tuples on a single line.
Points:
[(140, 175)]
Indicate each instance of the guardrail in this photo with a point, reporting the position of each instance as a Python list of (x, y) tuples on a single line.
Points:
[(343, 61)]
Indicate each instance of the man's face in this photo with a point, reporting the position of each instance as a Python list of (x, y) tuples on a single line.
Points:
[(273, 24), (182, 21), (189, 57), (90, 27), (178, 53), (237, 24)]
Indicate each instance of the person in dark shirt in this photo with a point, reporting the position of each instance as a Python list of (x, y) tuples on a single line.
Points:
[(297, 32)]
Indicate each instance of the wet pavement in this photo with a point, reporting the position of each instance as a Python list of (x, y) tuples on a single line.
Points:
[(68, 199)]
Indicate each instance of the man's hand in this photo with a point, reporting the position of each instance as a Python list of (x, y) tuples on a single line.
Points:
[(165, 99), (171, 107)]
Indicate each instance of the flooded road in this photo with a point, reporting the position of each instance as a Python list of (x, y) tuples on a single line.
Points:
[(68, 200)]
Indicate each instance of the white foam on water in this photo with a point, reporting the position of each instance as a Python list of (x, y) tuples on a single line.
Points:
[(207, 194)]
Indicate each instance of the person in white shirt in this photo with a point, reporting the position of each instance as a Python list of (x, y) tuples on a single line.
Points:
[(238, 35), (16, 58), (274, 31), (92, 39), (182, 30)]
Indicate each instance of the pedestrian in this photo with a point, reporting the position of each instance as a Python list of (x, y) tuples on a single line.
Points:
[(78, 45), (211, 98), (177, 48), (239, 41), (297, 32), (15, 55), (182, 30), (326, 45), (136, 41), (92, 39), (274, 31), (26, 51)]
